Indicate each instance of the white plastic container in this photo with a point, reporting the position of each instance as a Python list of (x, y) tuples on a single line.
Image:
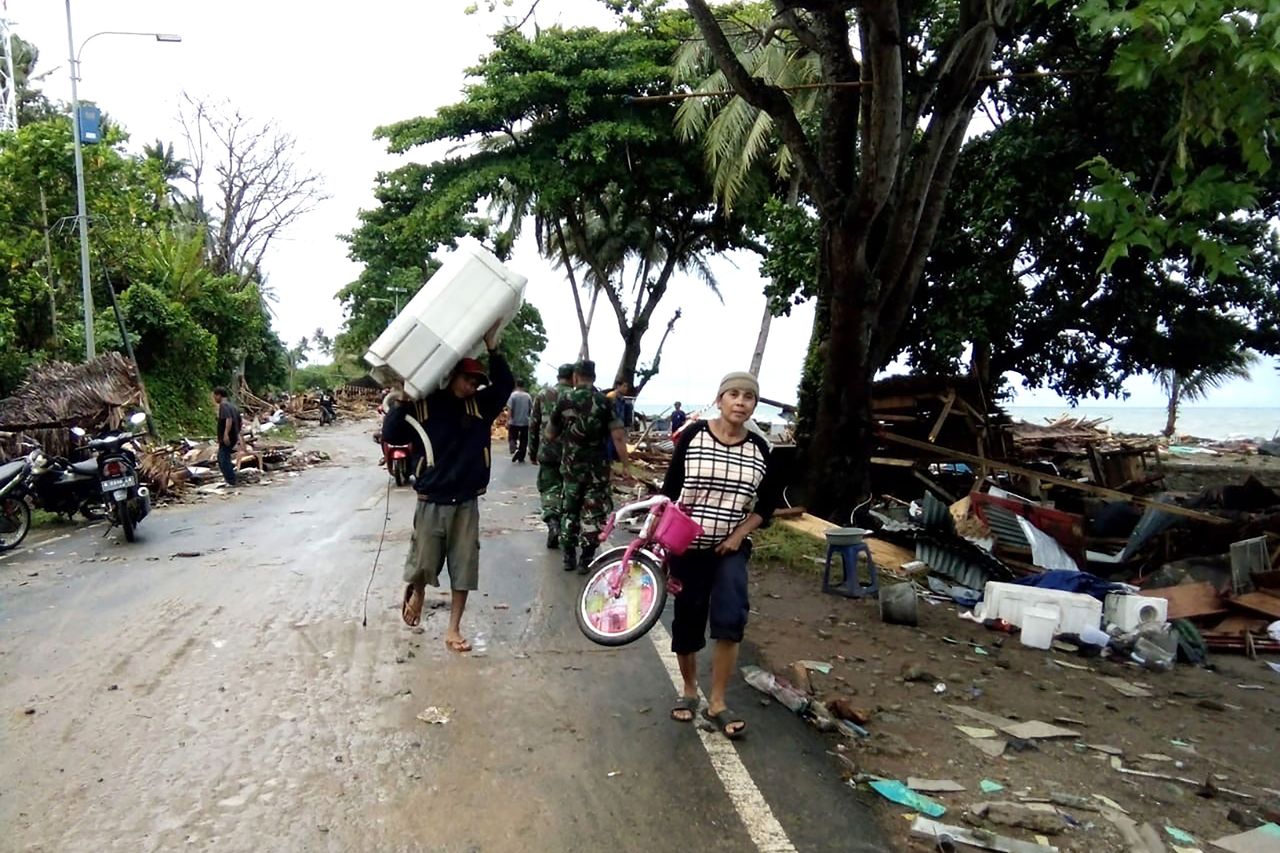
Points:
[(446, 319), (1128, 612), (1039, 624), (1009, 601)]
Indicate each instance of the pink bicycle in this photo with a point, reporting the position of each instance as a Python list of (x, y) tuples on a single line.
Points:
[(627, 585)]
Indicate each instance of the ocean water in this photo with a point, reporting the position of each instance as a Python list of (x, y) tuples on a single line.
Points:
[(1210, 422)]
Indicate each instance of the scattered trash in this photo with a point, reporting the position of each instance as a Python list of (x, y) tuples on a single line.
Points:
[(613, 773), (972, 732), (1264, 839), (895, 791), (435, 715), (1178, 835), (1110, 803), (990, 787), (992, 748), (1037, 730), (843, 709), (932, 831), (939, 688), (817, 666), (1021, 816), (934, 786), (1126, 688), (1071, 801)]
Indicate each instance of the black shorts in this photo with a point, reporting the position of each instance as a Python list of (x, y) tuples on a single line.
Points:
[(715, 591)]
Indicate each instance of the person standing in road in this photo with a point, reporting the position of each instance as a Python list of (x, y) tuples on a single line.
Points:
[(678, 418), (545, 449), (519, 407), (721, 476), (583, 420), (452, 474), (228, 433)]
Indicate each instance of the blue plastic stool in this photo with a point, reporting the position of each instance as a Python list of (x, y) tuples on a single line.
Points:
[(850, 587)]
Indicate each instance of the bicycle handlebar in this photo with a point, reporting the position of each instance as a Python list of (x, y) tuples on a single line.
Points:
[(632, 509)]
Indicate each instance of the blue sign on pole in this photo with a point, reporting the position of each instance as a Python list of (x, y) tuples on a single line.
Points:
[(90, 124)]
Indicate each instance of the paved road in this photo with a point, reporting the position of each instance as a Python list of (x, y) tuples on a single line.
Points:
[(232, 700)]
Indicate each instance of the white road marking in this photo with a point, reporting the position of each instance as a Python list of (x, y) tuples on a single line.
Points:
[(764, 829)]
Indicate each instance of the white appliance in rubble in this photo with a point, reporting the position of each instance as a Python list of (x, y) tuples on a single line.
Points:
[(446, 320)]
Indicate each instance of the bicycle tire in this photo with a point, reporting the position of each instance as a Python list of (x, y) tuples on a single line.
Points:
[(16, 509), (632, 622)]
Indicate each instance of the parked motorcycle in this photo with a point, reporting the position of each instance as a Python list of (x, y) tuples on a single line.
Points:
[(397, 456), (61, 486), (128, 502), (15, 512)]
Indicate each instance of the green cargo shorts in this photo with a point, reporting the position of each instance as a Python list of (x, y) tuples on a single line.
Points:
[(445, 533)]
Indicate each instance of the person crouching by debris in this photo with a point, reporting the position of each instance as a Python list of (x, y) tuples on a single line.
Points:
[(720, 474), (452, 473), (228, 433)]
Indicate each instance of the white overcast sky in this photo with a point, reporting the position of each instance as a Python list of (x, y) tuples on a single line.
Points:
[(329, 74)]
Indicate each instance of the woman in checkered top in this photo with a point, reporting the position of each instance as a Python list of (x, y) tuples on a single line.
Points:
[(720, 475)]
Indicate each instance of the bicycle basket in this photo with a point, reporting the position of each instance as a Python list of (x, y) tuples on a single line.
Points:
[(676, 530)]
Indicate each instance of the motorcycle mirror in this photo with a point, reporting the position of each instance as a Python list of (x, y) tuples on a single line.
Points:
[(138, 418), (78, 432)]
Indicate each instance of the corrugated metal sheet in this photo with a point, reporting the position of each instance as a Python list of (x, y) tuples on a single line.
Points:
[(937, 515), (961, 569), (1004, 524)]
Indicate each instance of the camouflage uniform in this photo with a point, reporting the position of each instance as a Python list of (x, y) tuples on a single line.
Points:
[(546, 452), (584, 419)]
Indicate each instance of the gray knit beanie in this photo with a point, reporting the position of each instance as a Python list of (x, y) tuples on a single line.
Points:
[(739, 381)]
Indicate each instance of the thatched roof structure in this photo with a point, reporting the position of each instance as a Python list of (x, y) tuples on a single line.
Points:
[(57, 396)]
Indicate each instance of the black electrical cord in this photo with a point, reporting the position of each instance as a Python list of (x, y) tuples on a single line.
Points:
[(386, 516)]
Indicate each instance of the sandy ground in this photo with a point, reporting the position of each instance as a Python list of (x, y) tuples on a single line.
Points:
[(1228, 735), (211, 687)]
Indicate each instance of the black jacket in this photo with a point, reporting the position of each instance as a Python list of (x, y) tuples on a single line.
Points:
[(460, 436)]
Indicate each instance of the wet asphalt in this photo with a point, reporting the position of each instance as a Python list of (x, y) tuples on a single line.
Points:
[(212, 687)]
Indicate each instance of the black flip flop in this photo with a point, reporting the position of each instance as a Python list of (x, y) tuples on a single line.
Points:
[(687, 703), (723, 720)]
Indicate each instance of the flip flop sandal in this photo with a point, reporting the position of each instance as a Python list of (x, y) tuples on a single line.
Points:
[(723, 720), (411, 610), (687, 703), (459, 646)]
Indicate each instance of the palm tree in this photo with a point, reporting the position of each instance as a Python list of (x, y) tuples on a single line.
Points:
[(1196, 385), (739, 139), (171, 167)]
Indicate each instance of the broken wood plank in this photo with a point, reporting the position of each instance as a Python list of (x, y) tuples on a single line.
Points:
[(983, 717), (1190, 600), (934, 786), (1172, 509), (1038, 730), (942, 418), (1256, 602), (1133, 691)]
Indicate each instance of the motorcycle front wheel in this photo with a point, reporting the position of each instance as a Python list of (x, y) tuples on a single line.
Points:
[(15, 522)]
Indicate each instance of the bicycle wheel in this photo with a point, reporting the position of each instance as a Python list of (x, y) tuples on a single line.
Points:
[(617, 620), (15, 521)]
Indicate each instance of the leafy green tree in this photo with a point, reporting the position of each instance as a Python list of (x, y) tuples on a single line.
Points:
[(1020, 281), (549, 133), (875, 166)]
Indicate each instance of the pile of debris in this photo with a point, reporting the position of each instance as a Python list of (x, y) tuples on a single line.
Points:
[(173, 467)]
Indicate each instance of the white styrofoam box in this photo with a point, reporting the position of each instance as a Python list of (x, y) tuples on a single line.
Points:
[(446, 319), (1008, 601), (1129, 611), (1039, 624)]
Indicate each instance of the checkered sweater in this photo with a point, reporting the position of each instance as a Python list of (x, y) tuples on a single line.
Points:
[(719, 484)]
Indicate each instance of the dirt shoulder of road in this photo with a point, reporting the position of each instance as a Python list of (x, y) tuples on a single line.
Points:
[(1218, 727)]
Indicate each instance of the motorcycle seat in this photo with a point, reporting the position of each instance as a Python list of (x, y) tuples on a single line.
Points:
[(89, 467), (9, 470)]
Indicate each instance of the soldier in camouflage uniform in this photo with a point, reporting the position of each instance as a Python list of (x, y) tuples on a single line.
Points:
[(545, 450), (584, 421)]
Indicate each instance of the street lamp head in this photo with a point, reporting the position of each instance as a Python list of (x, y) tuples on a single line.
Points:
[(169, 37)]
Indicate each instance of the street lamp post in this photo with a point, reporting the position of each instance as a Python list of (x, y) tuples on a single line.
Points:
[(82, 216)]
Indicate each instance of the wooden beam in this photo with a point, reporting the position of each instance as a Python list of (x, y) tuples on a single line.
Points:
[(1172, 509), (942, 418)]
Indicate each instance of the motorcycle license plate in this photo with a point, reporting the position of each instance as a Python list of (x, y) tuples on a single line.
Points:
[(118, 483)]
